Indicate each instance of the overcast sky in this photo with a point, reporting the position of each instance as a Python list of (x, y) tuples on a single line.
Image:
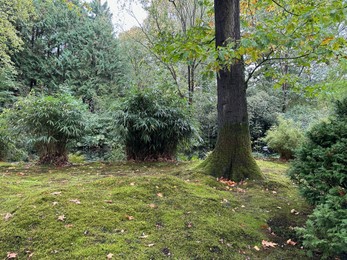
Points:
[(121, 18)]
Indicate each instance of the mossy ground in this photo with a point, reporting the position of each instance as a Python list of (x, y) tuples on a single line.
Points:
[(145, 211)]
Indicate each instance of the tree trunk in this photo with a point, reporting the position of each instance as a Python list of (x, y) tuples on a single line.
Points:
[(232, 156)]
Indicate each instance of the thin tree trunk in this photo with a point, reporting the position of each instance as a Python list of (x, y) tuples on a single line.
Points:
[(232, 156)]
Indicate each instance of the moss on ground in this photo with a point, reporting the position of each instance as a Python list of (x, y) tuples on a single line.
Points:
[(145, 211)]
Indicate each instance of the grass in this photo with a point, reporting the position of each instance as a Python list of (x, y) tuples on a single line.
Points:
[(145, 211)]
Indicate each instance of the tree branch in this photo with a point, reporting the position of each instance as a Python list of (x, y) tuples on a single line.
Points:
[(285, 9)]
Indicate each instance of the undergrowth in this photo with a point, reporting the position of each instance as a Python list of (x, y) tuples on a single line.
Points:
[(146, 211)]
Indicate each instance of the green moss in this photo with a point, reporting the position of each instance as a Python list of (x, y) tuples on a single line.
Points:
[(232, 156), (195, 218)]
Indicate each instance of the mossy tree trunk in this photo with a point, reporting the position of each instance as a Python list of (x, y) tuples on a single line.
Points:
[(232, 157)]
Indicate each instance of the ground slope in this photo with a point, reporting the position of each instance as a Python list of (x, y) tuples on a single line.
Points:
[(146, 211)]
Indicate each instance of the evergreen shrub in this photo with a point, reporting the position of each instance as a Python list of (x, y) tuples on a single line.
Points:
[(320, 169), (284, 138), (154, 124)]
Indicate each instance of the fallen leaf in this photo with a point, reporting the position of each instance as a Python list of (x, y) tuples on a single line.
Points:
[(274, 192), (21, 173), (56, 193), (69, 226), (8, 216), (293, 211), (109, 256), (160, 195), (11, 255), (243, 206), (132, 184), (291, 242), (55, 203), (153, 206), (189, 225), (240, 190), (108, 201), (61, 218), (227, 182), (256, 248), (150, 245), (129, 217), (76, 201), (268, 244), (143, 235)]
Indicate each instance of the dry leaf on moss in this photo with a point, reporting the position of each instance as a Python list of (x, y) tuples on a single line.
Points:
[(76, 201), (268, 244), (11, 255), (8, 216), (129, 217), (291, 242), (61, 218)]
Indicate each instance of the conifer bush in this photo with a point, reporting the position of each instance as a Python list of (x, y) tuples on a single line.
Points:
[(320, 169), (50, 123), (154, 124)]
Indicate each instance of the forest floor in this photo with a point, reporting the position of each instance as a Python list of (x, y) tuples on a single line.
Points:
[(146, 211)]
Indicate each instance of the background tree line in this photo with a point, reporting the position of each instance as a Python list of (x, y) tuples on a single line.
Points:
[(294, 62)]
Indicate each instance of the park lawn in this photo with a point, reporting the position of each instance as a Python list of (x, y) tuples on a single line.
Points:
[(146, 211)]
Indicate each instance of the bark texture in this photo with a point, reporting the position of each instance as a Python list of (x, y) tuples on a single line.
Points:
[(232, 157)]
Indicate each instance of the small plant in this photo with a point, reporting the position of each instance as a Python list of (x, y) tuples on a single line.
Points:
[(50, 122), (284, 138), (154, 124), (321, 172), (76, 158)]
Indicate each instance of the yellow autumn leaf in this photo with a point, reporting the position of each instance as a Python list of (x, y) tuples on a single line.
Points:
[(327, 40)]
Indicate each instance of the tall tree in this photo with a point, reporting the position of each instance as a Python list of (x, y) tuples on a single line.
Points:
[(173, 33), (232, 156), (71, 44), (10, 42)]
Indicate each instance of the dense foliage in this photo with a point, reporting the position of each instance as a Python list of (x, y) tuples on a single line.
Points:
[(155, 124), (72, 44), (50, 122), (320, 170), (284, 138)]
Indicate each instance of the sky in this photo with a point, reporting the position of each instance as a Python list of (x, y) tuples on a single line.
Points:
[(122, 20)]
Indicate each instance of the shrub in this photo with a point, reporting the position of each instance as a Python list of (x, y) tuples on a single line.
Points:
[(5, 141), (321, 172), (262, 110), (51, 123), (321, 161), (10, 150), (284, 138), (326, 229), (154, 124)]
